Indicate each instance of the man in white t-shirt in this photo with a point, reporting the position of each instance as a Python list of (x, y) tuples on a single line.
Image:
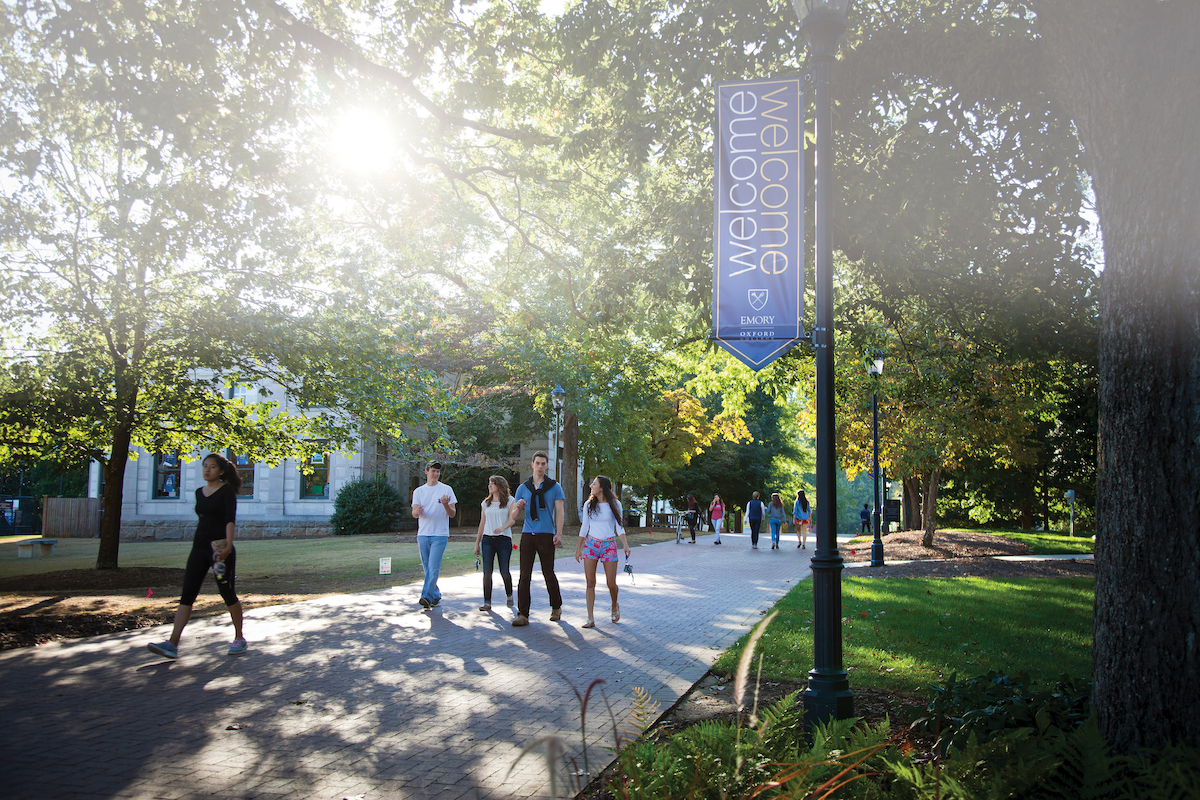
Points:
[(434, 505)]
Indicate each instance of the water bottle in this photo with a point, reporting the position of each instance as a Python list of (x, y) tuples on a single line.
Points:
[(218, 566)]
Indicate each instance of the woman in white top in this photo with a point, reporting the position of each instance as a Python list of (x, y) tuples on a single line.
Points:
[(598, 543), (494, 538)]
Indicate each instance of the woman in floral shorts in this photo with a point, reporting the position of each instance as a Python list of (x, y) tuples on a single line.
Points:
[(598, 543)]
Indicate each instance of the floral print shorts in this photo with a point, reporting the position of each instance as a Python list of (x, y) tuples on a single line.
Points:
[(600, 549)]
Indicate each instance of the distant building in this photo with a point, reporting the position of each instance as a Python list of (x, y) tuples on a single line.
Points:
[(280, 501)]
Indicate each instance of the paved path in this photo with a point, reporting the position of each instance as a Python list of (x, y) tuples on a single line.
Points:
[(367, 695)]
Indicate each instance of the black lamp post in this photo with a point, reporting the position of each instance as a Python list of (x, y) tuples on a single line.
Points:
[(875, 369), (558, 397), (828, 695)]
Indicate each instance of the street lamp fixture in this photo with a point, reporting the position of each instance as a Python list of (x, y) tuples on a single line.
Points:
[(875, 370), (828, 694), (558, 399)]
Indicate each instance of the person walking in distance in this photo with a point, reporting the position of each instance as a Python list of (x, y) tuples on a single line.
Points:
[(716, 513), (597, 543), (801, 514), (754, 515), (775, 513), (693, 515), (541, 500), (434, 505), (493, 540), (212, 549), (864, 517)]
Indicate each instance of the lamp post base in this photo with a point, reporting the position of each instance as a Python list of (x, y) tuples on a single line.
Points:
[(877, 552), (827, 697)]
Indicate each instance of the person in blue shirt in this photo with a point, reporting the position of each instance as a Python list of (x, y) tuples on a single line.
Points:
[(864, 516), (801, 513), (541, 500)]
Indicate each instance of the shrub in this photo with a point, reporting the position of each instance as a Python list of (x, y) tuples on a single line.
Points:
[(986, 706), (366, 505)]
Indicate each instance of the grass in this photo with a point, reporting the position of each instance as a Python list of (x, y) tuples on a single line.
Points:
[(1040, 542), (905, 634), (334, 559), (1046, 544)]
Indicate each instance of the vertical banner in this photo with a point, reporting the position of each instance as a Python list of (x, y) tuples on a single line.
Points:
[(758, 219)]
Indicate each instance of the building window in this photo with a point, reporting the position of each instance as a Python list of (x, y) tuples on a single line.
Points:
[(315, 484), (381, 458), (245, 468), (167, 480)]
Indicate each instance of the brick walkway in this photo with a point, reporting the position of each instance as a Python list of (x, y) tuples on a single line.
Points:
[(368, 696)]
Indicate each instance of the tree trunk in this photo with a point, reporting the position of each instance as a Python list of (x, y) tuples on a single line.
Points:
[(929, 506), (1127, 72), (912, 503), (1028, 490), (570, 468), (114, 494)]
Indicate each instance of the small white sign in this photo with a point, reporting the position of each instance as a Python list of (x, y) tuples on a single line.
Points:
[(385, 566)]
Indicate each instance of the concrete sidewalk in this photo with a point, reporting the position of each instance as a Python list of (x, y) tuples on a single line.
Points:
[(369, 696)]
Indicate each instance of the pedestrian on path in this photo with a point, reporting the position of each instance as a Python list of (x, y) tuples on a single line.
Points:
[(775, 512), (434, 505), (693, 515), (493, 540), (212, 549), (754, 515), (598, 543), (541, 500), (864, 516), (801, 515), (716, 513)]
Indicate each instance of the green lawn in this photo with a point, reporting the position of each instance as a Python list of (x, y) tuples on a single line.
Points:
[(334, 558), (1041, 543), (904, 634), (1045, 544)]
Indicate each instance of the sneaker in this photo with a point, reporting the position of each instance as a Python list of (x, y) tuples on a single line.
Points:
[(508, 602), (555, 614), (520, 621), (486, 607), (434, 602), (164, 649), (424, 601), (238, 647)]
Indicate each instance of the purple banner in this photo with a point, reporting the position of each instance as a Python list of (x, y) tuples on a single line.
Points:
[(758, 219)]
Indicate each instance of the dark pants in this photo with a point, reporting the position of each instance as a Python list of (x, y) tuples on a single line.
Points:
[(692, 521), (540, 546), (496, 548), (754, 523), (199, 564)]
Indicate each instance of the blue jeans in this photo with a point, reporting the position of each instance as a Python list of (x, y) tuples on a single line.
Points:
[(754, 523), (499, 548), (432, 549), (776, 524)]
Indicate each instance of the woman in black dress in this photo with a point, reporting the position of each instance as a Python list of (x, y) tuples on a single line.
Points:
[(212, 550)]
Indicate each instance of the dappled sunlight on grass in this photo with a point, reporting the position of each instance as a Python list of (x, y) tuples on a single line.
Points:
[(904, 634)]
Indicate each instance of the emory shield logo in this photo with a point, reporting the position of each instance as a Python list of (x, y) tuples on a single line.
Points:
[(758, 298)]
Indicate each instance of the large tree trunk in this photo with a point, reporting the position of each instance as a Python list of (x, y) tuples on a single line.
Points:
[(929, 506), (912, 503), (114, 495), (1128, 73), (570, 467)]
